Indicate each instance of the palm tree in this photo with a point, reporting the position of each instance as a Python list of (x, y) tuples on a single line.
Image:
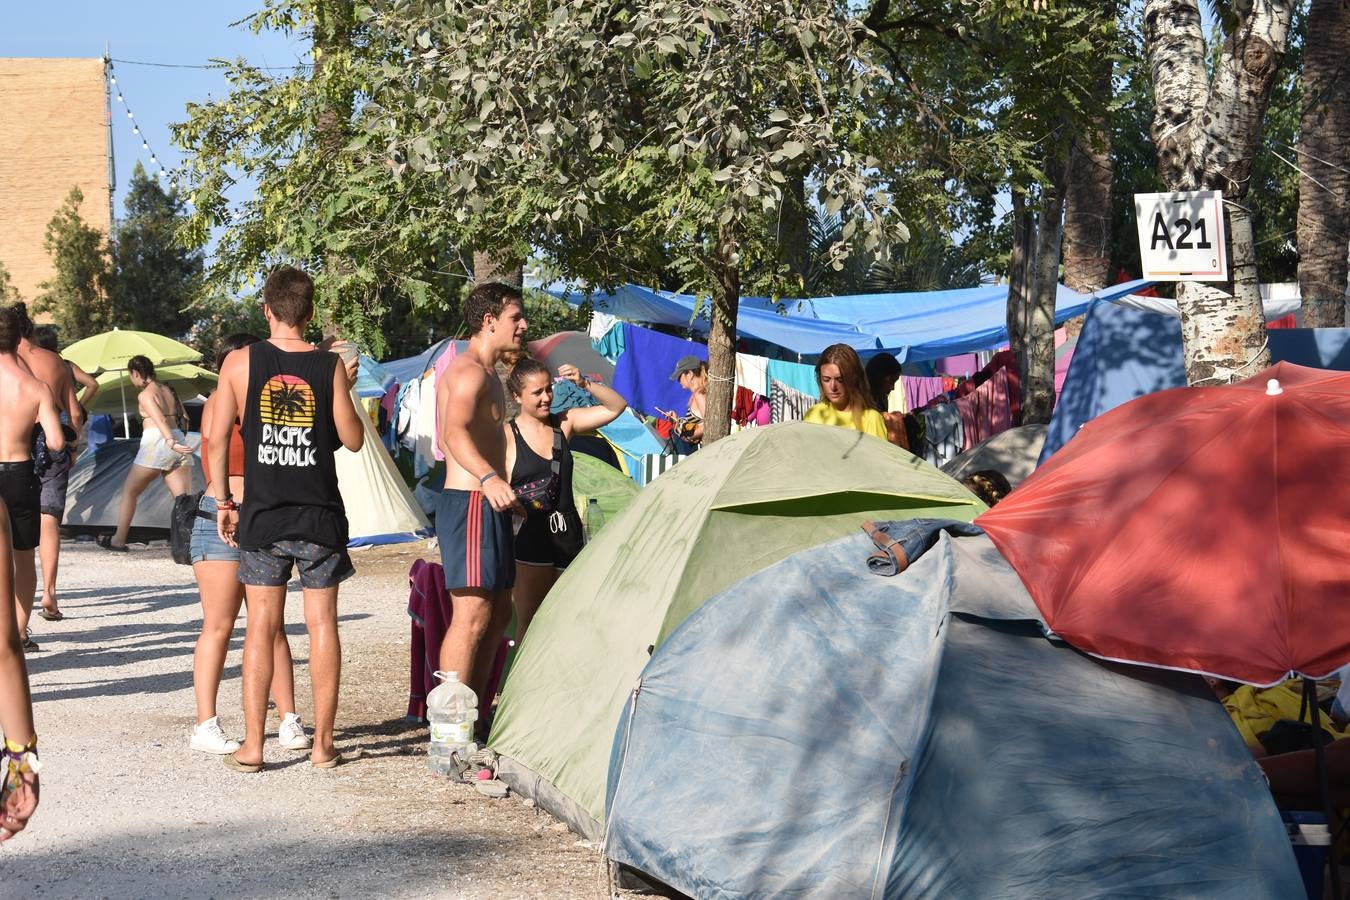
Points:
[(1323, 161), (928, 261)]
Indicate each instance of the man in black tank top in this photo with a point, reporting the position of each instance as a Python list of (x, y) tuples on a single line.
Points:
[(295, 409)]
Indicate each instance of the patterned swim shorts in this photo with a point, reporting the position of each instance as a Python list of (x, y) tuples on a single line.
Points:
[(320, 567)]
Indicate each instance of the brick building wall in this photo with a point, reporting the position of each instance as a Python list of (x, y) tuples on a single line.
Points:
[(53, 136)]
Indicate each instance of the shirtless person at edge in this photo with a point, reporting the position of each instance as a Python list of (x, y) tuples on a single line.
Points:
[(84, 388), (24, 402), (50, 369), (474, 511)]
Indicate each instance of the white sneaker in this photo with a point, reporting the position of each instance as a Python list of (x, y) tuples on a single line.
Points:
[(208, 737), (291, 734)]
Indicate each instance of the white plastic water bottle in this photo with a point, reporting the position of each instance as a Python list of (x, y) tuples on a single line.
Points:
[(595, 519), (452, 708)]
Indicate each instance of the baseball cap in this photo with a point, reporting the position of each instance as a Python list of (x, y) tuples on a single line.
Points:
[(686, 364)]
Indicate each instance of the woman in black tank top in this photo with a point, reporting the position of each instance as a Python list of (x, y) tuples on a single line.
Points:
[(540, 463)]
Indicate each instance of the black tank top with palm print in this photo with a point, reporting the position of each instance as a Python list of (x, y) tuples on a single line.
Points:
[(290, 480)]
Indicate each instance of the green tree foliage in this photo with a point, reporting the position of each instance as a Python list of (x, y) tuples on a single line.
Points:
[(77, 295), (634, 141), (219, 316), (982, 97), (1275, 190), (928, 261), (8, 292), (324, 198), (157, 278), (1274, 193)]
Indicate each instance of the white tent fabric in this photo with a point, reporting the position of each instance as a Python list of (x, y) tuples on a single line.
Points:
[(1278, 300), (1013, 453), (95, 489), (380, 508)]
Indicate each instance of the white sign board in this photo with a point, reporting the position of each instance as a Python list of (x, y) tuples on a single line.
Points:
[(1181, 236)]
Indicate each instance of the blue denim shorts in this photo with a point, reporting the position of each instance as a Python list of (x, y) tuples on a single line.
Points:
[(206, 543)]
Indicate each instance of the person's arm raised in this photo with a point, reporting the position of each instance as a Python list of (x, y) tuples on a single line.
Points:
[(589, 418), (346, 416)]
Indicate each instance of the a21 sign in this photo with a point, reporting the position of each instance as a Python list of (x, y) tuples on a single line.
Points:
[(1181, 236)]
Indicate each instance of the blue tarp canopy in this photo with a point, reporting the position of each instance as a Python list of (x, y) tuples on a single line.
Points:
[(410, 368), (844, 734), (1124, 353), (372, 379), (915, 326), (800, 334)]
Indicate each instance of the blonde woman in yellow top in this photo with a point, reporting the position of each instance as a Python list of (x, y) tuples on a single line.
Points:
[(845, 399)]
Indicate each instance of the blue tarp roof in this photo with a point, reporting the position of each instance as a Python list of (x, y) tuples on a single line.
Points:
[(407, 369), (915, 326), (946, 748), (372, 379), (1124, 353)]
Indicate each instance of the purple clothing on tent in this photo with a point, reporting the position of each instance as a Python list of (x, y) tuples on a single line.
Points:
[(642, 374), (920, 391), (985, 411), (964, 366), (430, 610)]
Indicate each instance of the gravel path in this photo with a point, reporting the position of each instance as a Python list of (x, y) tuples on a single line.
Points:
[(128, 811)]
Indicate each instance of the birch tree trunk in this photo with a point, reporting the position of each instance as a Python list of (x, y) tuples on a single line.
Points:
[(1206, 132), (1038, 388), (726, 300), (1324, 166)]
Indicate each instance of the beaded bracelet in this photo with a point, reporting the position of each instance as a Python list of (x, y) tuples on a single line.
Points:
[(20, 759)]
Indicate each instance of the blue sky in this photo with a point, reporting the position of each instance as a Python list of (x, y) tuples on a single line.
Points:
[(147, 31)]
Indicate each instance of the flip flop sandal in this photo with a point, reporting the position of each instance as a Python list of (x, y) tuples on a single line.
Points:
[(51, 616), (338, 759), (492, 788), (105, 541), (235, 765)]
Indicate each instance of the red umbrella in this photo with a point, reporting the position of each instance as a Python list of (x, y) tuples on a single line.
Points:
[(1204, 529)]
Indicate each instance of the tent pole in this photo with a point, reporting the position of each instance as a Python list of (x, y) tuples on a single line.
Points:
[(1310, 695)]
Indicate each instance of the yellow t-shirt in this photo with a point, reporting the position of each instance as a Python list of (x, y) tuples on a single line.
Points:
[(825, 414)]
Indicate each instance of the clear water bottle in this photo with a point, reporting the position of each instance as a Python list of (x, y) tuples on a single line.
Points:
[(595, 519), (452, 708)]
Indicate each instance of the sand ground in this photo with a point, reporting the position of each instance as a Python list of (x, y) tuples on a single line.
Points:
[(129, 811)]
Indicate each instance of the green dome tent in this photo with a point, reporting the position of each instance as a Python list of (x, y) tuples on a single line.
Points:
[(595, 480), (728, 511)]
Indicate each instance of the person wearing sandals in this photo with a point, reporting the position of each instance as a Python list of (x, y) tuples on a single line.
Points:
[(56, 478), (215, 564), (25, 402), (19, 786), (540, 463), (48, 367), (295, 408), (163, 453)]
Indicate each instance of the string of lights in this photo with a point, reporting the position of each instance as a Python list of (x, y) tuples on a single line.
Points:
[(173, 177)]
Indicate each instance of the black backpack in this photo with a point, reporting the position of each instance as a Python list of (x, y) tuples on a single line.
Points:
[(181, 520)]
